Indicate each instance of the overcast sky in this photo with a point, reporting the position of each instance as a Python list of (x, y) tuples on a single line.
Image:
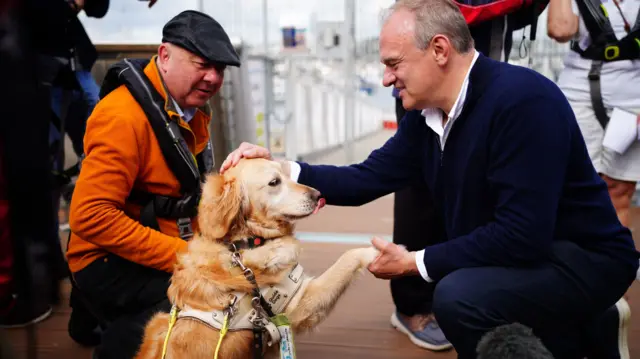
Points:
[(131, 21)]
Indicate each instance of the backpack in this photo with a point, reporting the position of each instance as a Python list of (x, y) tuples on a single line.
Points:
[(493, 21), (605, 46), (521, 12)]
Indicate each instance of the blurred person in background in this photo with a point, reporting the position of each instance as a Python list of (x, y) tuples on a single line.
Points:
[(74, 94), (66, 56), (35, 263), (599, 84)]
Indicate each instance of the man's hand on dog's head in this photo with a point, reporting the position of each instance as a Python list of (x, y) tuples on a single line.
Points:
[(245, 150), (393, 260)]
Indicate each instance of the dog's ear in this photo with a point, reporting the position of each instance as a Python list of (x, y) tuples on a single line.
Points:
[(220, 206)]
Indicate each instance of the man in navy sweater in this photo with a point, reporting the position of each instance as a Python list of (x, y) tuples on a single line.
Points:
[(413, 214), (528, 232)]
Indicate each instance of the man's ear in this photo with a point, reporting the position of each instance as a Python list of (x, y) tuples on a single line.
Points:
[(164, 52), (441, 47), (220, 206)]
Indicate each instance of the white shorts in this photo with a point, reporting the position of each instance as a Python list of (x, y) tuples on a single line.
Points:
[(625, 167)]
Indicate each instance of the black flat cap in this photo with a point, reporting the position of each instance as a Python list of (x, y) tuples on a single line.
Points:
[(202, 35)]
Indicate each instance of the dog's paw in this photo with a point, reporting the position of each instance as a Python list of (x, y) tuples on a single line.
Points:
[(367, 255), (274, 256)]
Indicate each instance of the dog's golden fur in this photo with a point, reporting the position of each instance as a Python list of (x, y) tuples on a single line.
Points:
[(254, 198)]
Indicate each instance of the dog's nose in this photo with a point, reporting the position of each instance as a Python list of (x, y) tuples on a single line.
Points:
[(315, 194)]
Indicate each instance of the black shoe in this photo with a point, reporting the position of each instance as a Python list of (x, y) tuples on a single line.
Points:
[(83, 326), (84, 331), (607, 337), (22, 314)]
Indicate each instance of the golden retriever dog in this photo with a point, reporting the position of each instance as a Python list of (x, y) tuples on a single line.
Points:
[(254, 199)]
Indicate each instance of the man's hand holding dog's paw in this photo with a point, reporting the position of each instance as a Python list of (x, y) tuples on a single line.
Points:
[(393, 260), (367, 255)]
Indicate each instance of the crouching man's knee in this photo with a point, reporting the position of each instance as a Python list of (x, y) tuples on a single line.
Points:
[(463, 311)]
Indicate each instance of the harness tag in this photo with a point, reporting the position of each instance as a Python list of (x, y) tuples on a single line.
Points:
[(184, 228), (287, 346), (296, 273), (274, 333)]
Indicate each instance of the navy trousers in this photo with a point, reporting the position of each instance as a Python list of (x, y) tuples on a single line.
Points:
[(557, 299), (414, 217)]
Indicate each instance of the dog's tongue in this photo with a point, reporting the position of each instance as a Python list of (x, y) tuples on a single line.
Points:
[(321, 203)]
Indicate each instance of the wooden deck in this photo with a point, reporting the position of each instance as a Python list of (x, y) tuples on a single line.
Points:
[(359, 326)]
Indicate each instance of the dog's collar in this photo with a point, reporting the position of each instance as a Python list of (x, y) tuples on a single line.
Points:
[(245, 243)]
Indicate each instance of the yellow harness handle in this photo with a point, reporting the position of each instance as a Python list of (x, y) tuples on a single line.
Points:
[(223, 332), (173, 316), (172, 321)]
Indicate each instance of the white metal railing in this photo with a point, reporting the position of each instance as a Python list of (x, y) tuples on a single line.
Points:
[(315, 113), (306, 105)]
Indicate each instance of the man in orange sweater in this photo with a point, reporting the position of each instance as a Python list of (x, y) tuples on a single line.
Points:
[(132, 211)]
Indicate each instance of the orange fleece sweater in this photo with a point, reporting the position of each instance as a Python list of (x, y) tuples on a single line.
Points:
[(122, 153)]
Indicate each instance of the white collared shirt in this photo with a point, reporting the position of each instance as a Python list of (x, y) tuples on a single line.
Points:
[(187, 115), (433, 116), (433, 119)]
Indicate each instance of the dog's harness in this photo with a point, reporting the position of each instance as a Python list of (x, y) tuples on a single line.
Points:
[(259, 311)]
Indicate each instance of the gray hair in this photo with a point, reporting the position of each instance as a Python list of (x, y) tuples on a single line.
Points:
[(433, 17)]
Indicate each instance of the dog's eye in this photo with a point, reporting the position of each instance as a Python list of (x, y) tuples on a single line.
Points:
[(274, 182)]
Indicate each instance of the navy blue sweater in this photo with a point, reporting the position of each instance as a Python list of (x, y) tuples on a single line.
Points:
[(514, 176)]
